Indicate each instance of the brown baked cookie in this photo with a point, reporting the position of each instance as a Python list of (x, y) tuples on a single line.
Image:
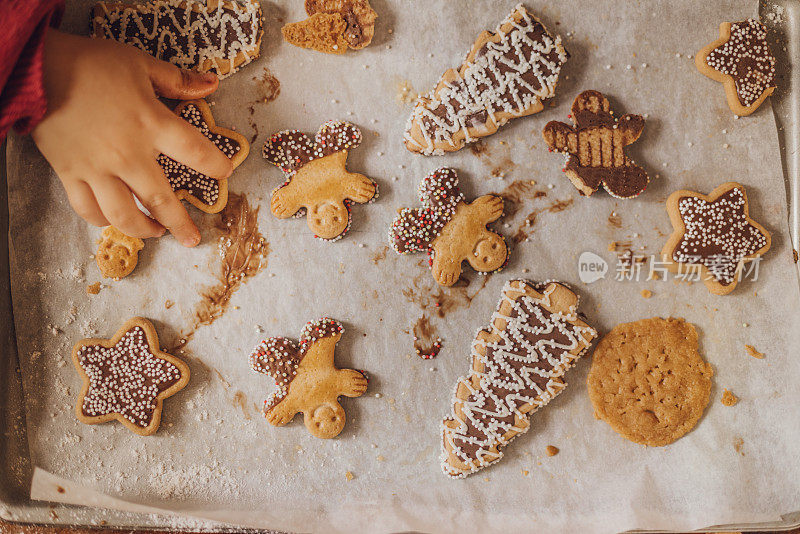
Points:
[(217, 36), (450, 230), (648, 380), (306, 378), (508, 73), (318, 185), (333, 26), (117, 254), (714, 234), (595, 147), (742, 61), (127, 377), (204, 192)]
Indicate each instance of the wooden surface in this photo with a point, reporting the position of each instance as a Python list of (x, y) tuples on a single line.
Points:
[(6, 528)]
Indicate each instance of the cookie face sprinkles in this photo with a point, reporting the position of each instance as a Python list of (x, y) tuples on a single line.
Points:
[(127, 377), (714, 233), (219, 36), (742, 61), (518, 364), (202, 191), (507, 74)]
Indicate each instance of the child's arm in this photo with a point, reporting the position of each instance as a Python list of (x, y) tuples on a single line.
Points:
[(104, 129)]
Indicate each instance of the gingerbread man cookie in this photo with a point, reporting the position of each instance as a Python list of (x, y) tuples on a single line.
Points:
[(307, 379), (117, 254), (217, 36), (742, 61), (204, 192), (595, 147), (127, 377), (507, 74), (450, 230), (715, 234), (333, 26), (517, 366), (317, 183)]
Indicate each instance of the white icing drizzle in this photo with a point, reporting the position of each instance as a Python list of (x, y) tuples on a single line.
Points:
[(492, 83), (210, 34), (507, 381)]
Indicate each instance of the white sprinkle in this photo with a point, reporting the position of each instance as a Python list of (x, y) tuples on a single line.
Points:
[(689, 143), (378, 395)]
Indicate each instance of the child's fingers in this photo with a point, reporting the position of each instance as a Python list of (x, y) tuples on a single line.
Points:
[(171, 82), (83, 202), (116, 202), (153, 190), (183, 142)]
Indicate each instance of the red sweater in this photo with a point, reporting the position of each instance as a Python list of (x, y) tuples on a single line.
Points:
[(22, 97)]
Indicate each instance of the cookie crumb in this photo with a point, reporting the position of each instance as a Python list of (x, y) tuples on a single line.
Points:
[(551, 450), (380, 458), (349, 476), (525, 472), (93, 289), (751, 350), (646, 293), (728, 398), (168, 304)]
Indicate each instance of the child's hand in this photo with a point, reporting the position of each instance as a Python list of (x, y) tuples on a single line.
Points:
[(105, 127)]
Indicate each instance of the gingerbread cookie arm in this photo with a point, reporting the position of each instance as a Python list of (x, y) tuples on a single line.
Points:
[(487, 208), (284, 411), (446, 265), (287, 200), (350, 383), (560, 137)]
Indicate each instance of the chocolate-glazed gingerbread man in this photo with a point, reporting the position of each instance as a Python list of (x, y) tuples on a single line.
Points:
[(317, 183), (307, 379), (449, 229), (596, 147)]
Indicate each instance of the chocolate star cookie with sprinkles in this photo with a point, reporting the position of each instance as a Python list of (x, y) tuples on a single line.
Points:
[(742, 61), (204, 192), (714, 234), (317, 183), (306, 378), (127, 377), (450, 230)]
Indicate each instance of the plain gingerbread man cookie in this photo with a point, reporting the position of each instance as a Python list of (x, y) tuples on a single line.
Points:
[(317, 182), (450, 230), (307, 379)]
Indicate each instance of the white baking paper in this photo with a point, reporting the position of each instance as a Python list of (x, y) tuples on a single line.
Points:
[(214, 454)]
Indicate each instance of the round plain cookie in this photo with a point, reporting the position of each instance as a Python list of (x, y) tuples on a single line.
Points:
[(648, 380)]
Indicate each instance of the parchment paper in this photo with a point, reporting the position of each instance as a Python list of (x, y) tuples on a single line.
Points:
[(214, 453)]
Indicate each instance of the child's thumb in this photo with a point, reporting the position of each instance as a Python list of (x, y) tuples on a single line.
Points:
[(171, 82)]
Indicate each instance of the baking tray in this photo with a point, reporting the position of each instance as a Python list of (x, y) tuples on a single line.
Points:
[(15, 472)]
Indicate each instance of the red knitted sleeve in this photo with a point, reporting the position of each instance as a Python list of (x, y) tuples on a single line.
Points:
[(23, 101)]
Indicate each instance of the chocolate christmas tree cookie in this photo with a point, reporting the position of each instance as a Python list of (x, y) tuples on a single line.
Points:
[(742, 61), (714, 234), (127, 377), (217, 36), (507, 74), (517, 366)]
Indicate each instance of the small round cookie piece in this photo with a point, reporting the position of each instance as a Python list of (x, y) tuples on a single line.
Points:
[(648, 380)]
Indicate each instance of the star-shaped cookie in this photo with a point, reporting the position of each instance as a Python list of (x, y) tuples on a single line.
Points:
[(715, 234), (202, 191), (742, 61), (127, 377)]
